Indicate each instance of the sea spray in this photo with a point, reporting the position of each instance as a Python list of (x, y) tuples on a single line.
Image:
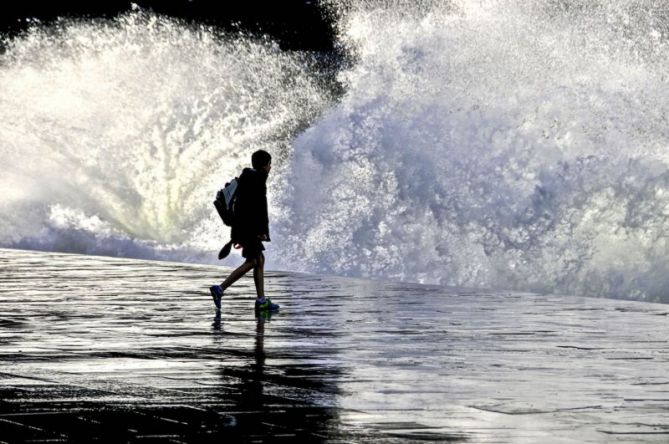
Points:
[(500, 143), (115, 135), (503, 144)]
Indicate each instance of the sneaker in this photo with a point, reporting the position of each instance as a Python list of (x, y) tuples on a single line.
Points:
[(266, 304), (217, 294)]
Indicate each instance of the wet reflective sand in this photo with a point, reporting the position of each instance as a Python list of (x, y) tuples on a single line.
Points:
[(120, 350)]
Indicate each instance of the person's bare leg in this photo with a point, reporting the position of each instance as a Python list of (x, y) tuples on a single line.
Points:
[(238, 273), (259, 276)]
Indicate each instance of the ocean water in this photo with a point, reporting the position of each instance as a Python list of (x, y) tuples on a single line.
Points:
[(484, 143)]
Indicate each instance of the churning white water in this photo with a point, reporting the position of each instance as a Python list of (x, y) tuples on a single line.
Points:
[(115, 136), (511, 144), (500, 143)]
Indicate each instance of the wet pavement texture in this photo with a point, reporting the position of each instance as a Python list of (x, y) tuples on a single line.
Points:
[(96, 349)]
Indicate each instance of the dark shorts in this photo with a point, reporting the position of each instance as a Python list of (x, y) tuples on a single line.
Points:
[(252, 248)]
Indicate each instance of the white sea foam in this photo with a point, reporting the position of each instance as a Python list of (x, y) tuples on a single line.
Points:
[(115, 136), (492, 143), (500, 143)]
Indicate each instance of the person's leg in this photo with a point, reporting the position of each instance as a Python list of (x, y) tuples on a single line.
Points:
[(263, 304), (259, 275), (239, 272)]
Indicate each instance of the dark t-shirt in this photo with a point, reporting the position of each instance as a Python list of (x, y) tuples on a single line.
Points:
[(251, 218)]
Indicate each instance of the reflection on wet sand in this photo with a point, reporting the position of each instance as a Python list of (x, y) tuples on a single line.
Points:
[(275, 394)]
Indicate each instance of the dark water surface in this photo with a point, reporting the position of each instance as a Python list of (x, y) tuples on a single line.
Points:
[(119, 350)]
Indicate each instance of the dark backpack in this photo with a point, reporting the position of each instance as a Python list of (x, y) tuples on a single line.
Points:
[(225, 202), (225, 205)]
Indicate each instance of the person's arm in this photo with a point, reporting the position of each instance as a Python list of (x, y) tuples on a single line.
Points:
[(260, 213), (264, 218)]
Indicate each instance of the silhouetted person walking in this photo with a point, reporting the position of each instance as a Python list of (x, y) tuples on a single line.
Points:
[(249, 229)]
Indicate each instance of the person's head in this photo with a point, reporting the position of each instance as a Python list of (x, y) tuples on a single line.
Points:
[(261, 161)]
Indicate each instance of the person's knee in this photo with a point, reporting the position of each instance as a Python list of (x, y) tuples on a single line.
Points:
[(257, 261), (252, 261)]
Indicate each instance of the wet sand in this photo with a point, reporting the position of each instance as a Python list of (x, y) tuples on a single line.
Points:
[(118, 350)]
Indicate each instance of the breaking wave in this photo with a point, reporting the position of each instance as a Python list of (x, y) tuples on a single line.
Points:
[(502, 143), (114, 136)]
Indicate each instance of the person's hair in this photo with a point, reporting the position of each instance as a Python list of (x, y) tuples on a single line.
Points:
[(260, 158)]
